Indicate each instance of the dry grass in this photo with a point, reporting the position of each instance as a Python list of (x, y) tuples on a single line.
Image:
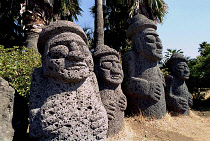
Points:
[(169, 128)]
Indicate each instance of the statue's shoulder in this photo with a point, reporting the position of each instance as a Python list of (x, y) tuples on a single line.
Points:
[(37, 78), (169, 79), (38, 72), (129, 56)]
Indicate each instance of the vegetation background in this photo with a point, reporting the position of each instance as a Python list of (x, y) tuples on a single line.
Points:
[(21, 22)]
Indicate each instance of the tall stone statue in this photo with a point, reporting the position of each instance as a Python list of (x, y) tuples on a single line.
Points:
[(144, 83), (110, 76), (178, 98), (65, 101)]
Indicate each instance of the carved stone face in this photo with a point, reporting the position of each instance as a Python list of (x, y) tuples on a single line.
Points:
[(111, 70), (64, 58), (181, 70), (148, 44)]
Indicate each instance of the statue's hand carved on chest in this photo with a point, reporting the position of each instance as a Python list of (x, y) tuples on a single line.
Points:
[(155, 91), (122, 102)]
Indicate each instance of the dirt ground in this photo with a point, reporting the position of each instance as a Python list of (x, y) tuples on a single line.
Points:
[(195, 127), (171, 128)]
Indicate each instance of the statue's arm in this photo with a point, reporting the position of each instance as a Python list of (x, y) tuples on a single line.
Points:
[(137, 86), (175, 102), (190, 100), (122, 103)]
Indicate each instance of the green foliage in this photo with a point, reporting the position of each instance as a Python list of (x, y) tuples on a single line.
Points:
[(17, 65), (153, 9), (67, 9), (115, 25), (200, 71), (204, 49)]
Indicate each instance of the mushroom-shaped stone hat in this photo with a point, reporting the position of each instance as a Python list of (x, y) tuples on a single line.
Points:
[(58, 27), (138, 23), (176, 57), (103, 50)]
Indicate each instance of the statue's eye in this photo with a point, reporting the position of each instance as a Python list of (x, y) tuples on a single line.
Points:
[(150, 39), (158, 39), (57, 52), (180, 67), (106, 65)]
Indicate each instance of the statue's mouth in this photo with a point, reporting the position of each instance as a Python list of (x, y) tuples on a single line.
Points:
[(117, 76), (76, 66), (159, 51)]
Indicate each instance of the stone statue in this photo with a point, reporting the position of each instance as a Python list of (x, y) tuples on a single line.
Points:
[(143, 83), (110, 76), (65, 101), (178, 98)]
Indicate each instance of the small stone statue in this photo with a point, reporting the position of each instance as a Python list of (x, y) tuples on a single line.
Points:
[(144, 83), (110, 76), (178, 98), (65, 102)]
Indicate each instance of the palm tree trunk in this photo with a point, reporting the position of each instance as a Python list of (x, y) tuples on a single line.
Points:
[(32, 33), (99, 23), (36, 17)]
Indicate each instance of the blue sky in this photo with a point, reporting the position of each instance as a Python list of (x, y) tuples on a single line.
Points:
[(186, 25)]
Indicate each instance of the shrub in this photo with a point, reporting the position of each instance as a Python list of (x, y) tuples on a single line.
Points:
[(17, 65)]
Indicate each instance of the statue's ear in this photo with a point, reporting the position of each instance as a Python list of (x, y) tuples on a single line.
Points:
[(173, 68), (137, 45), (46, 72)]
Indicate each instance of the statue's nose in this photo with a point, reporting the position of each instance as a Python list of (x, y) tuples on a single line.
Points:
[(159, 45), (115, 68), (187, 70), (75, 56)]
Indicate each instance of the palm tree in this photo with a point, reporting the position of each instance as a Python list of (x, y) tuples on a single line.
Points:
[(169, 53), (36, 14), (113, 21), (152, 9), (99, 23)]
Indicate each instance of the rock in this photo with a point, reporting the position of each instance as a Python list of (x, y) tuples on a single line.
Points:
[(6, 110)]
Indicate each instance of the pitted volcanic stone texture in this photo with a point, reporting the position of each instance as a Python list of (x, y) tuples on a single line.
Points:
[(143, 83), (65, 102), (64, 111), (178, 98), (6, 110), (110, 76)]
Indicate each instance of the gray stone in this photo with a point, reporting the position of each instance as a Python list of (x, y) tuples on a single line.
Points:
[(178, 98), (65, 101), (6, 110), (144, 83), (110, 76)]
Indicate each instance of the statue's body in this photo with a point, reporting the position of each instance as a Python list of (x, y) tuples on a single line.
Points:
[(110, 76), (65, 101), (143, 84), (178, 98)]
